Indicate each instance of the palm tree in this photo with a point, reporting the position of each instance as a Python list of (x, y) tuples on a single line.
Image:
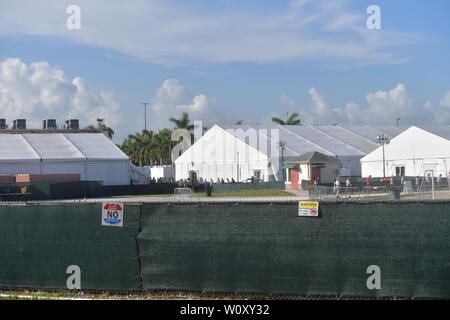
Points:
[(291, 121), (148, 147), (139, 148), (183, 122), (163, 145)]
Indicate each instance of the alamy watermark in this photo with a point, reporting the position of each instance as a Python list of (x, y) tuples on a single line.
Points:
[(74, 280), (374, 281), (73, 22), (374, 20)]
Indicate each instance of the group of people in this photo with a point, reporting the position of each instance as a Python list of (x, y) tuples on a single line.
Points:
[(161, 180), (190, 183)]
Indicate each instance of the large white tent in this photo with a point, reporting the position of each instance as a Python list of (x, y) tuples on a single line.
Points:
[(92, 155), (243, 151), (411, 153)]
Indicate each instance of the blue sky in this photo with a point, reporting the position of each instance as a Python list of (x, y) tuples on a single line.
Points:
[(226, 60)]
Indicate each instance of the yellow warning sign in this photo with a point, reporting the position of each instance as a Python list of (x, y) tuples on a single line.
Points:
[(308, 209)]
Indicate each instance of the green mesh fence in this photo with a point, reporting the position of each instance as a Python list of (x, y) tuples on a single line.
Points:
[(39, 242), (232, 247), (261, 248), (52, 190)]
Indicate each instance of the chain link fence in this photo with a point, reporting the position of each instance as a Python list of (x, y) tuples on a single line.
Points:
[(425, 191)]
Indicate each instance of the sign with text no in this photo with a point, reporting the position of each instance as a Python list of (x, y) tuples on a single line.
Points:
[(112, 214), (308, 209)]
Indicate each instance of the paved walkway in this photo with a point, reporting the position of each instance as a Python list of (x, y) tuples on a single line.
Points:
[(180, 199)]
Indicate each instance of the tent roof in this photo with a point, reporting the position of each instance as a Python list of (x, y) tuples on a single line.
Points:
[(413, 143), (53, 147), (341, 141), (13, 147), (96, 146), (28, 147), (313, 157)]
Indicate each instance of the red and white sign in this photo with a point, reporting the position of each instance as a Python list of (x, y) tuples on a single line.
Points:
[(313, 212), (112, 214)]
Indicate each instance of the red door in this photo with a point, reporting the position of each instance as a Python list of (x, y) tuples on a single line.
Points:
[(315, 173), (294, 179)]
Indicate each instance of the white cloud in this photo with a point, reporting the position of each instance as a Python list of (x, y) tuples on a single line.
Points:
[(173, 98), (173, 33), (446, 100), (38, 91), (382, 108)]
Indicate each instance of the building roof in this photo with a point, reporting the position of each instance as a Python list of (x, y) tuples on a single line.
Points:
[(345, 142), (30, 147), (313, 157), (414, 143)]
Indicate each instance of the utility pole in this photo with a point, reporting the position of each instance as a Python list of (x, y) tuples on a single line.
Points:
[(282, 146), (398, 119), (145, 114), (383, 139)]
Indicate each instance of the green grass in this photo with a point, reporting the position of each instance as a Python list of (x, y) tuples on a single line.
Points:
[(249, 193), (148, 195)]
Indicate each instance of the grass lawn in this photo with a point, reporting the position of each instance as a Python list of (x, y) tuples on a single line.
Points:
[(248, 193), (147, 195)]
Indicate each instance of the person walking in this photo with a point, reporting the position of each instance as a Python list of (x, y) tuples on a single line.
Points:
[(348, 182), (338, 183)]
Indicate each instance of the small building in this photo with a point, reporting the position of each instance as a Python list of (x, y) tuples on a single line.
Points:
[(164, 172), (411, 153), (311, 166)]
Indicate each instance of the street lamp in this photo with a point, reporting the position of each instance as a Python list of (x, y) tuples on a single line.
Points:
[(282, 146), (383, 139)]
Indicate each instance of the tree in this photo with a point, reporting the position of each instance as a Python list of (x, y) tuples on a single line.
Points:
[(291, 121), (183, 122), (163, 144), (148, 148)]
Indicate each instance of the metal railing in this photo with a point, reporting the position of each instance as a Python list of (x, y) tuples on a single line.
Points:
[(388, 192)]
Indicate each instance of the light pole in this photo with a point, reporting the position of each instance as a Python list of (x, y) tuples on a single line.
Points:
[(398, 119), (383, 139), (282, 146), (145, 114)]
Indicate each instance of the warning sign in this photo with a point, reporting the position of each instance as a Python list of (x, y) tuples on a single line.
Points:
[(112, 214), (308, 209)]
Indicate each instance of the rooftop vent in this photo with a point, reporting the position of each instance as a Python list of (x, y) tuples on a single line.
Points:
[(72, 124), (49, 124), (3, 124), (20, 124)]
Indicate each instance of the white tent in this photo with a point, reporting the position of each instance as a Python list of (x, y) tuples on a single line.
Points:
[(410, 153), (220, 154), (242, 151), (92, 155)]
